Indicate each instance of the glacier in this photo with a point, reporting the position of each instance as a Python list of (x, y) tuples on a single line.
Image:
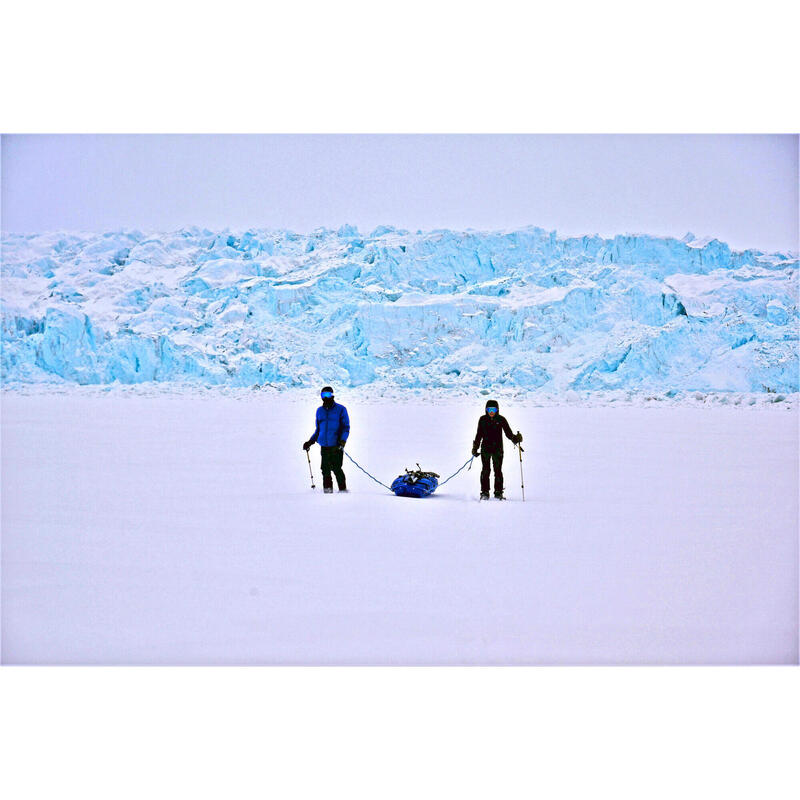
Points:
[(520, 311)]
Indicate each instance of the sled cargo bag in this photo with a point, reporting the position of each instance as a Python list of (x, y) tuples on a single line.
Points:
[(415, 483)]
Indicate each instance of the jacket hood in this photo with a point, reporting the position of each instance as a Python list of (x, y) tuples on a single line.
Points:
[(494, 404)]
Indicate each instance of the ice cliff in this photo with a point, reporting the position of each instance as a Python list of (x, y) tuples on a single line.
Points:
[(523, 309)]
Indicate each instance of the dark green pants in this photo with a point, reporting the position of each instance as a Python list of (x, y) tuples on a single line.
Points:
[(332, 458), (492, 460)]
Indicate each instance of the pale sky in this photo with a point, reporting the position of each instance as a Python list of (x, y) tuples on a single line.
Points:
[(741, 189)]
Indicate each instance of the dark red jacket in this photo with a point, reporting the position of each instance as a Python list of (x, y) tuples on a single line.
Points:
[(490, 432)]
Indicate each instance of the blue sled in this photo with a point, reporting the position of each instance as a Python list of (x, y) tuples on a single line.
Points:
[(415, 483)]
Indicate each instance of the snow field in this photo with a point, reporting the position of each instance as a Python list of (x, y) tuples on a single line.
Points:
[(183, 530)]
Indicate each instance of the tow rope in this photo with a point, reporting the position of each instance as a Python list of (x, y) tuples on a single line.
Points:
[(468, 461)]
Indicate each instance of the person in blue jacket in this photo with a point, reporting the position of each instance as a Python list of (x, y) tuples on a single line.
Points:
[(333, 428)]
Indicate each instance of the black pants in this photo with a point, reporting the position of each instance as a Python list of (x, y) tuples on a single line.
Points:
[(332, 458), (490, 460)]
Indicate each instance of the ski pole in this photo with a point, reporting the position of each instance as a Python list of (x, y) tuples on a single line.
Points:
[(521, 476), (309, 470)]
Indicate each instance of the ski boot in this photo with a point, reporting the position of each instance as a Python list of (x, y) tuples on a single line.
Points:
[(328, 490), (484, 496), (500, 496)]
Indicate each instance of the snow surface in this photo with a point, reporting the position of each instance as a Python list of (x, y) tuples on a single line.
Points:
[(183, 530), (522, 310)]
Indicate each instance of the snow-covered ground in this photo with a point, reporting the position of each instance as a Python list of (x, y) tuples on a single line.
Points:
[(182, 529)]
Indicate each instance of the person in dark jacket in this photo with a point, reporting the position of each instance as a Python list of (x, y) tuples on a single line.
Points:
[(333, 428), (491, 427)]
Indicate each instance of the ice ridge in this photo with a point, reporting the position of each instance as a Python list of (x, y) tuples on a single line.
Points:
[(521, 309)]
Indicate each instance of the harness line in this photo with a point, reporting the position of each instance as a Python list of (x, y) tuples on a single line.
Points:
[(468, 461)]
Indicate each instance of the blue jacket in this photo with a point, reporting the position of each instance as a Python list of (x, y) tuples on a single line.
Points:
[(333, 426)]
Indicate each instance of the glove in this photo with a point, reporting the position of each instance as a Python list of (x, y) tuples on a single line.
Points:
[(474, 452), (341, 444), (307, 445), (518, 438)]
